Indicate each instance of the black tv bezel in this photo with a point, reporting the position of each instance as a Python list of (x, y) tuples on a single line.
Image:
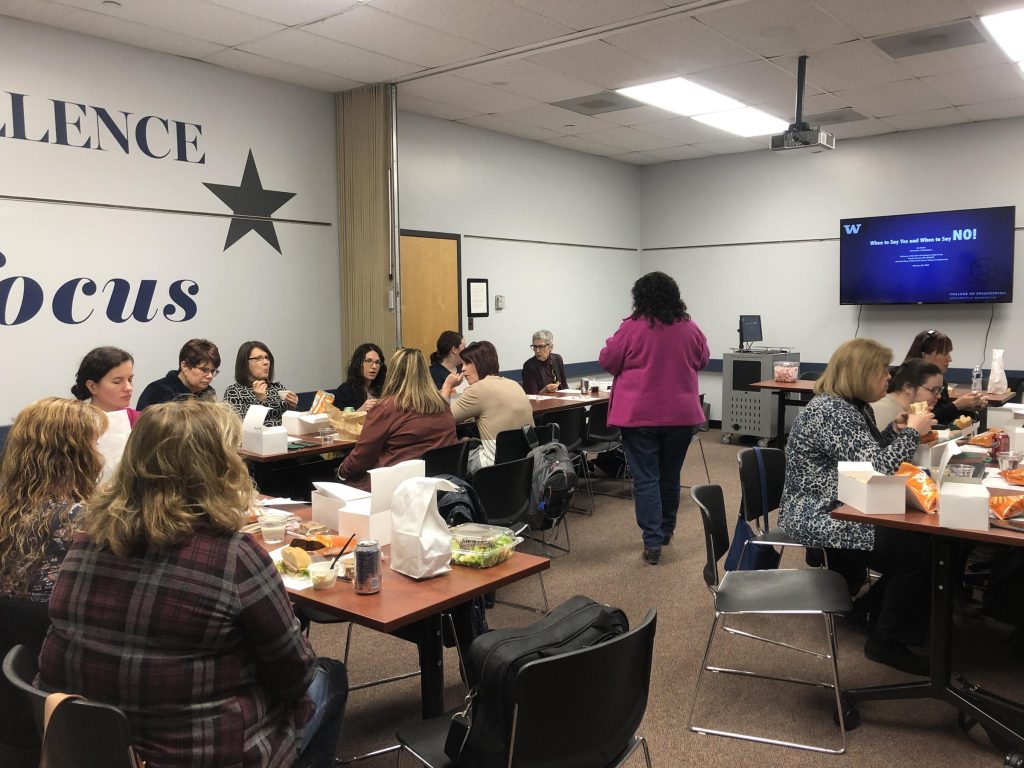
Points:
[(1009, 300), (759, 328)]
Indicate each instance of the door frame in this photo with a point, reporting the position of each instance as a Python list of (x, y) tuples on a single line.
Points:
[(458, 267)]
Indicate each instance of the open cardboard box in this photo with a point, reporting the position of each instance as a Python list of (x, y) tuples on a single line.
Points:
[(260, 439), (963, 503), (303, 422), (869, 491)]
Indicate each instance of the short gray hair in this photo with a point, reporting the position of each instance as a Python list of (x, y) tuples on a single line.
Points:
[(544, 335)]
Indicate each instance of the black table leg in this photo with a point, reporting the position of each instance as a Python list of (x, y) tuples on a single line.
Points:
[(426, 633), (780, 429)]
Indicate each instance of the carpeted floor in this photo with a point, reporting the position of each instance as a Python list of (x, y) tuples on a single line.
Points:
[(605, 564)]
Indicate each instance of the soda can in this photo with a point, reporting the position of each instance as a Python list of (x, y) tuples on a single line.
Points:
[(1000, 444), (368, 574)]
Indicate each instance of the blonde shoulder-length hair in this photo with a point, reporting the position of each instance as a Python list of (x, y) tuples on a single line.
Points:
[(180, 470), (853, 366), (50, 462), (409, 385)]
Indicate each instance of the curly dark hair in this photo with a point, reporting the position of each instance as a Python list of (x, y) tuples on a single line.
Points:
[(656, 297), (929, 342), (354, 375)]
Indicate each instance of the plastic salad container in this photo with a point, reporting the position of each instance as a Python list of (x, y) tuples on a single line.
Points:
[(482, 546)]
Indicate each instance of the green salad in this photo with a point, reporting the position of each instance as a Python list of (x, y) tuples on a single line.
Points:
[(483, 555)]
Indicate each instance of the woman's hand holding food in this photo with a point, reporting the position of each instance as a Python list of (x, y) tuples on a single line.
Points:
[(970, 401), (259, 388), (921, 422), (552, 387), (288, 397)]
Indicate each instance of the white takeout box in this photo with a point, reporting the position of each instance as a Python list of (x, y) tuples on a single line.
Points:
[(304, 423), (346, 510), (1016, 438), (963, 503), (260, 439), (869, 491)]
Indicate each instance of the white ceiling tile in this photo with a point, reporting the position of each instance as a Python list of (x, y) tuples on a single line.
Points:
[(931, 119), (754, 83), (637, 115), (561, 121), (315, 52), (291, 13), (501, 125), (587, 14), (108, 27), (847, 65), (883, 17), (731, 146), (598, 62), (242, 61), (636, 158), (962, 57), (630, 138), (580, 144), (684, 152), (986, 7), (894, 98), (993, 110), (497, 24), (860, 129), (451, 89), (777, 27), (420, 106), (528, 79), (682, 130), (680, 44), (373, 30), (974, 86), (191, 18), (786, 108)]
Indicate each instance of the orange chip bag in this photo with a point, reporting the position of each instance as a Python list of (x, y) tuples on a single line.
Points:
[(1005, 507), (985, 439), (922, 492), (1013, 476), (320, 402)]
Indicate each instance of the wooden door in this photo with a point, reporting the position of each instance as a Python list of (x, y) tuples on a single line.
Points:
[(429, 276)]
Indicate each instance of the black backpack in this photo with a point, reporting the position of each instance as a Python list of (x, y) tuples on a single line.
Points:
[(554, 482), (461, 506), (480, 735)]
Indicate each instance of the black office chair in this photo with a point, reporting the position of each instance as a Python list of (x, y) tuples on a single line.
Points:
[(570, 430), (580, 708), (777, 593), (511, 444), (22, 622), (450, 460), (703, 427), (606, 443), (80, 733), (810, 375)]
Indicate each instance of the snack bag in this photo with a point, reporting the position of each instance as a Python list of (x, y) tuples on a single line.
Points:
[(1013, 476), (985, 438), (321, 401), (1005, 507), (922, 493)]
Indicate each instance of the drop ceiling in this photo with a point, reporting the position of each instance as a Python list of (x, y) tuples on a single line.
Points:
[(501, 65)]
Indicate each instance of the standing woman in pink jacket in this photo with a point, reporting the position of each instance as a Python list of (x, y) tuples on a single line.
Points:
[(655, 357)]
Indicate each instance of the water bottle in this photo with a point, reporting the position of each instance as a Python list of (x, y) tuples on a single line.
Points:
[(976, 385)]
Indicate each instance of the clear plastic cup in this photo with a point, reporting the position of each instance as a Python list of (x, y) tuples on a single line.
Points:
[(327, 435), (322, 575), (272, 526), (1008, 460)]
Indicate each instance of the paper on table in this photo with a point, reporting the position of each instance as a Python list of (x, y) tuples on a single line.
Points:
[(279, 502), (950, 450), (540, 397), (290, 581), (341, 491), (254, 417), (569, 391), (112, 441)]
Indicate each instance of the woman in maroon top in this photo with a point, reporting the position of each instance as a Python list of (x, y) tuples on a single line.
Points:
[(166, 610), (655, 357), (410, 418)]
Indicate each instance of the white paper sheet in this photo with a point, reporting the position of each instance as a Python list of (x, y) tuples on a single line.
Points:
[(254, 417), (112, 441), (385, 480), (279, 502), (341, 491)]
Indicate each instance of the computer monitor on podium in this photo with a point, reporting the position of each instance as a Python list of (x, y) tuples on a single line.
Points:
[(750, 330)]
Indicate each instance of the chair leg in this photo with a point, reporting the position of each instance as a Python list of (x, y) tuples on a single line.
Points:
[(584, 475), (704, 459), (532, 609)]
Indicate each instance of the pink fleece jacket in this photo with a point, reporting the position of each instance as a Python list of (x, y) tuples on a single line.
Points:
[(655, 372)]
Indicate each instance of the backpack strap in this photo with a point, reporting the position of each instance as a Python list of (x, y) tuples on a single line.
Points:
[(762, 476), (531, 436)]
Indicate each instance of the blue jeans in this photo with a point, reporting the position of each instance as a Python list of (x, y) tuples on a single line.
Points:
[(655, 456), (329, 692)]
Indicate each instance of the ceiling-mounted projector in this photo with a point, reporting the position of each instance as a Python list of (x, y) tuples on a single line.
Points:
[(800, 135)]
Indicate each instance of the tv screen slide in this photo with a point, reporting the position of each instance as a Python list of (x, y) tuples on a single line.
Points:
[(945, 257)]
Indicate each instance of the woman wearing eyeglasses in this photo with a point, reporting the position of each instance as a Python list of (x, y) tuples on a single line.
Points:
[(255, 384), (365, 379), (543, 373), (937, 348), (915, 381), (198, 365)]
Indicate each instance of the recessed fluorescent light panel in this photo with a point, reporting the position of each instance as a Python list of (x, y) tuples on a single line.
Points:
[(1007, 29), (715, 109)]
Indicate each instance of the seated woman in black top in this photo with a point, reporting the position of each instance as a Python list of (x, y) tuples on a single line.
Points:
[(446, 359), (937, 348), (544, 372), (198, 365), (365, 378)]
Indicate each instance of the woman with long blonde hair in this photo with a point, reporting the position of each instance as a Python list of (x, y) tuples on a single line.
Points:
[(410, 418), (167, 610), (50, 467)]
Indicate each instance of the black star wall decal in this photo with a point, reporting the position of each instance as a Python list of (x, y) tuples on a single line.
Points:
[(250, 199)]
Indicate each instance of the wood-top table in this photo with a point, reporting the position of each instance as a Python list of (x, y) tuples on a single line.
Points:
[(565, 401), (342, 444), (944, 578)]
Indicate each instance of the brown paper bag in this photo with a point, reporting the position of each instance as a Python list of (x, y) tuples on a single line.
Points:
[(348, 424)]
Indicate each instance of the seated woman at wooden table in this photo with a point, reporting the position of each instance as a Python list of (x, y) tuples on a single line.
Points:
[(936, 348), (166, 610), (916, 381), (543, 373), (410, 419), (255, 384), (495, 402), (364, 379), (106, 378), (198, 366), (839, 425), (50, 467)]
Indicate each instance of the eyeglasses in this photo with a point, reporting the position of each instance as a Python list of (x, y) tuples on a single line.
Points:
[(370, 361), (536, 347), (934, 390), (211, 372), (260, 359)]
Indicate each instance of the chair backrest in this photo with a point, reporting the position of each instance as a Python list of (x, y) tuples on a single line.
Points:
[(449, 460), (22, 622), (750, 481), (504, 492), (511, 444), (81, 733), (583, 708), (597, 424), (570, 426), (711, 502), (810, 375)]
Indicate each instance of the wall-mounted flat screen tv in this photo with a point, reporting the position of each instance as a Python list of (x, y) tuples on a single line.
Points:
[(944, 257)]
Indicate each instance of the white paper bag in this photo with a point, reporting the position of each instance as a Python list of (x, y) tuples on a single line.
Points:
[(421, 545), (112, 441), (997, 379)]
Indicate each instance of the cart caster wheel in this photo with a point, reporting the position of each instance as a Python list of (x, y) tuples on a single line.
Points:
[(851, 716), (1014, 760), (726, 438), (763, 442)]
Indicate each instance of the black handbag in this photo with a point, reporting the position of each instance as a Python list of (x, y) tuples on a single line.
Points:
[(744, 555)]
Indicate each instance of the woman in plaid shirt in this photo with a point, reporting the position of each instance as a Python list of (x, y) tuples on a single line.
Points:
[(164, 609)]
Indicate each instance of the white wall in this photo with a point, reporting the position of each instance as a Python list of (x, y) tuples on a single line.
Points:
[(288, 299), (773, 199), (458, 179)]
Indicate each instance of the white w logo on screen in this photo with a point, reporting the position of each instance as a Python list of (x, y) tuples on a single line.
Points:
[(851, 229)]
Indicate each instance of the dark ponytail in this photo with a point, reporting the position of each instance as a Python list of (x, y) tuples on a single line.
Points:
[(95, 365), (446, 342)]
